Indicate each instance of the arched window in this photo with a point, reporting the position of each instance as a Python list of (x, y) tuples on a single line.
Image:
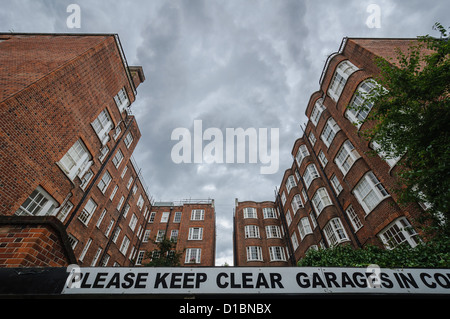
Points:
[(342, 73)]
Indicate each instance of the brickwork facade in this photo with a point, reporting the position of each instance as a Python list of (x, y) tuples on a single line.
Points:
[(339, 189), (191, 225)]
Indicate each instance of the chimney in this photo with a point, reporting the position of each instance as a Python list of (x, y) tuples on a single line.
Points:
[(137, 74)]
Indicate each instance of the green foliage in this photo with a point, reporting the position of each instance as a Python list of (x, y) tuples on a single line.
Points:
[(165, 256), (410, 119), (431, 255)]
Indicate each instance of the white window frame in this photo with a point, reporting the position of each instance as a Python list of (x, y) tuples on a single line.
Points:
[(346, 157), (288, 217), (254, 253), (102, 125), (399, 232), (250, 212), (353, 113), (290, 183), (335, 232), (343, 71), (177, 217), (273, 231), (317, 111), (323, 159), (133, 222), (195, 233), (354, 219), (370, 192), (165, 217), (118, 158), (198, 214), (39, 203), (301, 154), (311, 173), (160, 236), (312, 138), (336, 184), (252, 231), (128, 140), (321, 199), (122, 100), (193, 256), (277, 253), (125, 245), (104, 182), (269, 213), (88, 211), (304, 228), (77, 161), (329, 131), (297, 203)]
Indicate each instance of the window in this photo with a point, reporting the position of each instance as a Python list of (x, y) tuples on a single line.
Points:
[(122, 100), (113, 193), (335, 233), (140, 257), (288, 217), (321, 200), (165, 217), (77, 161), (254, 253), (391, 160), (370, 192), (329, 131), (104, 182), (310, 174), (140, 202), (40, 203), (312, 138), (283, 198), (398, 233), (323, 159), (354, 219), (198, 214), (304, 227), (100, 220), (174, 235), (277, 254), (343, 72), (102, 126), (110, 226), (294, 240), (336, 184), (85, 249), (117, 132), (128, 140), (317, 111), (359, 107), (346, 157), (124, 172), (251, 231), (160, 236), (301, 154), (88, 211), (62, 215), (117, 160), (193, 256), (86, 179), (296, 203), (195, 233), (146, 236), (269, 213), (104, 151), (124, 246), (133, 222), (130, 181), (290, 183), (96, 257), (273, 232), (152, 217), (177, 217), (116, 234), (119, 205), (250, 212)]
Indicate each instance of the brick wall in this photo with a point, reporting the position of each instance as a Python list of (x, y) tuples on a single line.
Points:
[(33, 242)]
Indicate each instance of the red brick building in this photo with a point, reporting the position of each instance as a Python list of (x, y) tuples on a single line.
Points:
[(67, 140), (258, 235), (191, 224), (338, 190)]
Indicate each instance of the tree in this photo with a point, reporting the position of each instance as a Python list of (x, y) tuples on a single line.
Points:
[(166, 254), (410, 120)]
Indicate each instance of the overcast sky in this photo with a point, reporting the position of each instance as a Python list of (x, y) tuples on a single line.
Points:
[(231, 64)]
